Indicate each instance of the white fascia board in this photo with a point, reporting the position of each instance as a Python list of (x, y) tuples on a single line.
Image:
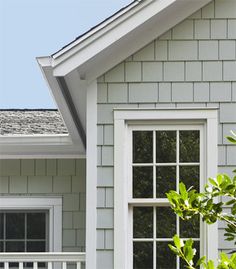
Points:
[(45, 66), (39, 146), (139, 19), (40, 152), (86, 49), (35, 139), (97, 29)]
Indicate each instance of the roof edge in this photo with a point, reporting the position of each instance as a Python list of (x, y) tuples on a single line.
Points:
[(110, 35), (97, 28)]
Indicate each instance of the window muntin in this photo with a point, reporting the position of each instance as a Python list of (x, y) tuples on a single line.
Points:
[(23, 231), (160, 155)]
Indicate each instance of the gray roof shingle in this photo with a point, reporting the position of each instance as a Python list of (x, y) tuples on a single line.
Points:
[(31, 122)]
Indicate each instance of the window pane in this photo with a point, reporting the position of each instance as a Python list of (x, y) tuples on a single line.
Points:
[(143, 222), (36, 225), (189, 144), (196, 245), (142, 147), (166, 259), (15, 228), (15, 246), (36, 246), (1, 225), (166, 180), (166, 222), (165, 146), (142, 182), (189, 175), (1, 246), (190, 228), (143, 255)]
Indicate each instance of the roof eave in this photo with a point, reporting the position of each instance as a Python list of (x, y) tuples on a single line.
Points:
[(106, 46), (38, 146), (62, 104)]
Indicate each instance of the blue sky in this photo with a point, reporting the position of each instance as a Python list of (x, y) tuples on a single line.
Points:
[(31, 28)]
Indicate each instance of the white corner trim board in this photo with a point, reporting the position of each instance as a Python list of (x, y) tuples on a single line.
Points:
[(91, 175), (124, 121)]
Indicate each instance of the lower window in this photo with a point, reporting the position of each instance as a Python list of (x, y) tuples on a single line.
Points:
[(153, 228), (30, 224), (162, 156), (23, 231)]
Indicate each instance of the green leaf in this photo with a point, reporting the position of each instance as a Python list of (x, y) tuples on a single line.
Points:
[(173, 249), (233, 209), (230, 202), (224, 257), (189, 253), (178, 242), (201, 261), (231, 139), (183, 191), (213, 182), (210, 265)]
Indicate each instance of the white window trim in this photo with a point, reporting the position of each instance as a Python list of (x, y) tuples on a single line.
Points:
[(122, 119), (52, 204)]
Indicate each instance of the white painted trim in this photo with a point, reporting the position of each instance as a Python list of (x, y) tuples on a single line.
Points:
[(39, 146), (36, 139), (127, 26), (91, 178), (52, 204), (120, 196), (43, 257), (94, 31), (16, 146), (42, 156), (211, 165), (45, 151), (52, 83), (122, 117)]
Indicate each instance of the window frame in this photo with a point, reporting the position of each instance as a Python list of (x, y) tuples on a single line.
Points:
[(51, 204), (123, 120), (25, 239), (160, 202)]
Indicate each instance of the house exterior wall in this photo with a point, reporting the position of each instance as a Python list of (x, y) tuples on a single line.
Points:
[(51, 177), (192, 65)]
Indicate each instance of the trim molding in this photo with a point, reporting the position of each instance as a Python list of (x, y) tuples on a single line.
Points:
[(122, 119), (91, 178), (67, 96), (52, 204)]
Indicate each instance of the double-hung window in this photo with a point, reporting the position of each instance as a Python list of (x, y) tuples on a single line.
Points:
[(154, 151), (161, 157)]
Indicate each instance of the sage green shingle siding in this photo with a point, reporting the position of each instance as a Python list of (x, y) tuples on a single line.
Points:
[(191, 65), (65, 178)]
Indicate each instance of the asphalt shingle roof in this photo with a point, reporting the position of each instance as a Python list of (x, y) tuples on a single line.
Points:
[(31, 122)]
